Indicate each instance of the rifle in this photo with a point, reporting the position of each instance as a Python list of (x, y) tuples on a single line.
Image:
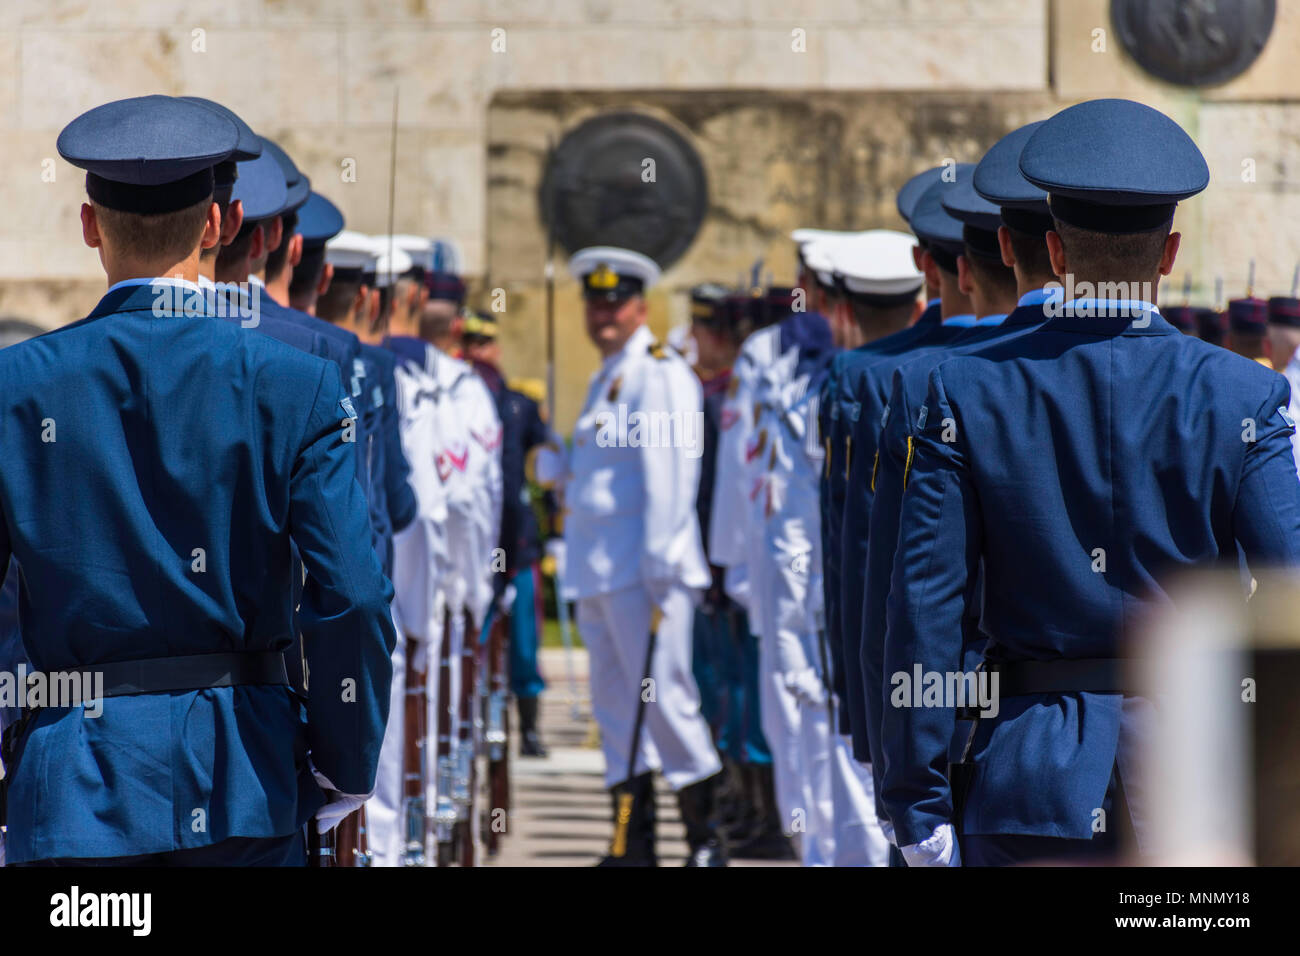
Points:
[(497, 737), (444, 813), (463, 793), (415, 740)]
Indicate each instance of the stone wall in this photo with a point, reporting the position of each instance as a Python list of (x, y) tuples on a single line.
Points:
[(807, 112)]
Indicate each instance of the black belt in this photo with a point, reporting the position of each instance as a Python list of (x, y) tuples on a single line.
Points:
[(1095, 675), (158, 675)]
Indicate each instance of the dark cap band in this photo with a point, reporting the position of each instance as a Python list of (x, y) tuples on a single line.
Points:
[(877, 301), (151, 200), (1284, 310), (982, 243), (1031, 222), (1115, 220), (945, 256)]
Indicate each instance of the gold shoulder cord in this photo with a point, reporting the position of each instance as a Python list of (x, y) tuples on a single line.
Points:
[(907, 468)]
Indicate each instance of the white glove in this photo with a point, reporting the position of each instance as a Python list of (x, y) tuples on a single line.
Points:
[(939, 850), (508, 595), (550, 467), (807, 686), (555, 551), (659, 591), (339, 804), (888, 829), (418, 648)]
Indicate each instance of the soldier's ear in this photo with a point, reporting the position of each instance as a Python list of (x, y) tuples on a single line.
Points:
[(964, 282), (1004, 246), (232, 222), (257, 247), (295, 250), (211, 227), (1170, 253), (1056, 251), (326, 277), (90, 227)]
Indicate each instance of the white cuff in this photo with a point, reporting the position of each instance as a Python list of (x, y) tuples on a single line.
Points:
[(940, 849)]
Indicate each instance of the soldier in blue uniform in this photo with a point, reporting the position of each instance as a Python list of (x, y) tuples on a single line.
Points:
[(522, 430), (864, 386), (833, 422), (189, 454), (1004, 216), (1058, 461)]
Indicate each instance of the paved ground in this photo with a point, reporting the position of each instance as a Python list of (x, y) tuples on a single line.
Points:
[(560, 813)]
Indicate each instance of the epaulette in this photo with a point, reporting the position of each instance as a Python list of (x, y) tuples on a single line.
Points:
[(657, 350)]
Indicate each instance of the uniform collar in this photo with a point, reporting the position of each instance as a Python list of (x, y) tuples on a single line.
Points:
[(1034, 297), (638, 341), (1108, 317), (156, 281), (990, 321), (965, 321)]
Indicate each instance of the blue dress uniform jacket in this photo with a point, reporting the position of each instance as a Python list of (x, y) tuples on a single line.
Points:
[(1090, 433), (831, 418), (865, 388), (906, 397), (391, 483), (133, 440)]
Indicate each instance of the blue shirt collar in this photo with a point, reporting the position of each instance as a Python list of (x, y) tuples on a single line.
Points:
[(960, 321), (1035, 297), (990, 321), (157, 280)]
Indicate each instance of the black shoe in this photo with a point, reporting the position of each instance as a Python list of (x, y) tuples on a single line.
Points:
[(638, 833), (766, 841), (708, 846), (530, 742)]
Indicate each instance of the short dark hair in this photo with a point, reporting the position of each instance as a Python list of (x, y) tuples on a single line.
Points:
[(172, 235), (1031, 253), (277, 257), (334, 304), (1094, 254), (308, 271), (991, 274), (238, 248), (874, 318)]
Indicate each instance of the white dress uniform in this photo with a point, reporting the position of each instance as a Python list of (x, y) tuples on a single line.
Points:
[(736, 540), (420, 569), (840, 819), (632, 541)]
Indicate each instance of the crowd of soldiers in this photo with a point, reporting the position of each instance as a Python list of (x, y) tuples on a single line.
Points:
[(857, 561), (944, 477), (370, 560)]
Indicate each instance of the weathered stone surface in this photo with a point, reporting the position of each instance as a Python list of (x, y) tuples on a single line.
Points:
[(774, 162)]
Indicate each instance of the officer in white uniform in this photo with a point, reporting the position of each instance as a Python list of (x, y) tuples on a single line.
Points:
[(635, 561)]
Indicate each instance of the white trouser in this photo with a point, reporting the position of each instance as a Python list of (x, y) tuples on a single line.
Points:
[(674, 735), (779, 715), (859, 841), (385, 826)]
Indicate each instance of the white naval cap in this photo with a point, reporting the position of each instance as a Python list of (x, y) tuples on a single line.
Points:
[(389, 267), (878, 262), (802, 237), (419, 248), (613, 272), (819, 256), (351, 250)]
